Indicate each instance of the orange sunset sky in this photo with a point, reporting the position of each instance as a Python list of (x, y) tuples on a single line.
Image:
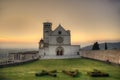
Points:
[(89, 20)]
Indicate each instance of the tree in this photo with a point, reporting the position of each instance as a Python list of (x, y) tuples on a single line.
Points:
[(96, 46), (106, 46)]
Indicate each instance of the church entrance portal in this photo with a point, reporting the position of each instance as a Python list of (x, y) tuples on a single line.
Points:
[(59, 51)]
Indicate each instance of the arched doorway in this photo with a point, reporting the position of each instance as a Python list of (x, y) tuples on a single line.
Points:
[(59, 51)]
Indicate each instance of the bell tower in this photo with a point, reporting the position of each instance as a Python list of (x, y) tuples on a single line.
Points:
[(47, 28)]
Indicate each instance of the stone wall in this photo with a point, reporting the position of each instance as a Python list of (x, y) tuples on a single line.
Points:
[(103, 55), (23, 56), (19, 58)]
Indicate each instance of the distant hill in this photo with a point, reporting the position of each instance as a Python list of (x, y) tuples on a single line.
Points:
[(115, 45)]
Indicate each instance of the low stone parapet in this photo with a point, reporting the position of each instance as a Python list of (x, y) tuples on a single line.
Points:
[(12, 63), (59, 57), (112, 56)]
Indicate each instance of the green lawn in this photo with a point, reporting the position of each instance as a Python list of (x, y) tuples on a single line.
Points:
[(27, 71)]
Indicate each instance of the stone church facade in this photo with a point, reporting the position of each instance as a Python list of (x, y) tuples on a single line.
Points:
[(57, 43)]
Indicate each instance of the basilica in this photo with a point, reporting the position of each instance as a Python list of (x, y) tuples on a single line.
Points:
[(57, 43)]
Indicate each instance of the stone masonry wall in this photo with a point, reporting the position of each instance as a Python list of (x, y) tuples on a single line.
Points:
[(103, 55)]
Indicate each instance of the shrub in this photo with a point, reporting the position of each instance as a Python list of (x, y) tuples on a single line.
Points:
[(97, 73), (53, 71), (45, 72), (52, 74), (71, 73), (95, 46)]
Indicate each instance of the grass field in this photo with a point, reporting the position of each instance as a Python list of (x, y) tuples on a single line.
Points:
[(27, 71)]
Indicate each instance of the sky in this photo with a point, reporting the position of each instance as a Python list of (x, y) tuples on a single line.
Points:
[(21, 21)]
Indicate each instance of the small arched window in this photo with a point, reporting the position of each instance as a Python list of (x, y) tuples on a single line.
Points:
[(59, 32)]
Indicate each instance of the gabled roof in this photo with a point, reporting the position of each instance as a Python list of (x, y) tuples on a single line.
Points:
[(60, 28)]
